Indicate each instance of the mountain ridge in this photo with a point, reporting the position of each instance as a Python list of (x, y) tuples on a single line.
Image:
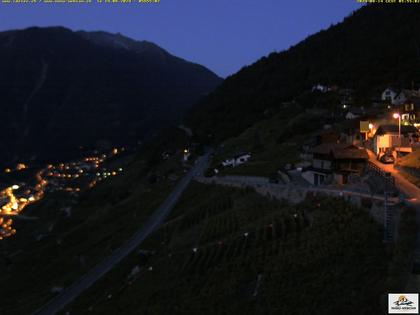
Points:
[(61, 89)]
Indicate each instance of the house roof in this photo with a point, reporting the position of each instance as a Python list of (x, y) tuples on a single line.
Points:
[(325, 148), (238, 155), (410, 93), (340, 151), (394, 129), (392, 88)]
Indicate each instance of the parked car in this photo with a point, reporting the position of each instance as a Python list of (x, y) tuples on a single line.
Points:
[(387, 159)]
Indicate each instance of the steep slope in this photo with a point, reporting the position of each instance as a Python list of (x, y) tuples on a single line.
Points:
[(374, 47), (231, 251), (60, 90)]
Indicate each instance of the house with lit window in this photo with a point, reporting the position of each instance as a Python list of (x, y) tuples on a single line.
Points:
[(388, 138), (410, 111), (335, 163)]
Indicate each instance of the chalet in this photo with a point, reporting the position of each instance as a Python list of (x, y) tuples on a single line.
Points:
[(389, 95), (237, 160), (410, 110), (405, 95), (335, 163), (387, 138)]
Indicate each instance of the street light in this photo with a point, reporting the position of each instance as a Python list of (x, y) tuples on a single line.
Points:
[(398, 116)]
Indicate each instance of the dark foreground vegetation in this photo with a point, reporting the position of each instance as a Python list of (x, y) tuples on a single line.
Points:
[(229, 251), (64, 235)]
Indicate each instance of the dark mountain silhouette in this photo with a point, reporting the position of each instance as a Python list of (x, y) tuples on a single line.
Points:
[(372, 48), (60, 90)]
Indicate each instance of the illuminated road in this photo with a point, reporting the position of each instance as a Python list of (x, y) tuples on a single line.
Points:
[(406, 187), (77, 288), (412, 193)]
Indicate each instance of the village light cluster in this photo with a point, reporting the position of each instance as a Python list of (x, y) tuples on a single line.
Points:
[(61, 177), (13, 203)]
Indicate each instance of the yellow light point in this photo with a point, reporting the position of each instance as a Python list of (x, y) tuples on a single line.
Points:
[(15, 187), (21, 166), (7, 170), (115, 151), (114, 173)]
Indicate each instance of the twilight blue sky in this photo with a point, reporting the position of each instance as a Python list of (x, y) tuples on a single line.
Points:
[(223, 35)]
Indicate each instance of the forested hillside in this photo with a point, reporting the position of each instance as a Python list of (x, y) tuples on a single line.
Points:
[(374, 47)]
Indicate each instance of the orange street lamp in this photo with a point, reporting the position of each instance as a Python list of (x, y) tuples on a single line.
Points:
[(398, 116)]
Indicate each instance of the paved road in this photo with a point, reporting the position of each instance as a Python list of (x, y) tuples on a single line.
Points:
[(412, 194), (407, 188), (73, 291)]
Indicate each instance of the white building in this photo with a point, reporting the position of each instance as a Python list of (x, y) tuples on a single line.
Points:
[(387, 138), (320, 88), (389, 95), (237, 160), (351, 115)]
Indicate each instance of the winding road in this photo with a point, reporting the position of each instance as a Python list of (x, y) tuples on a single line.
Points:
[(73, 291), (412, 194)]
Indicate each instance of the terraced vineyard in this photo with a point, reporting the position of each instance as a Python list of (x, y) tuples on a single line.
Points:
[(230, 251)]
